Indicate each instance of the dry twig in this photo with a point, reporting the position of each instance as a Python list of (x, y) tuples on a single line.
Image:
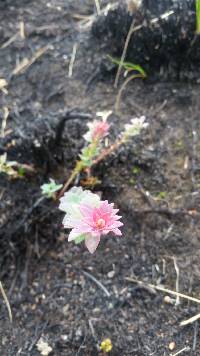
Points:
[(97, 7), (177, 280), (6, 302), (4, 121), (130, 32), (190, 320), (164, 290), (118, 99), (72, 61), (186, 348), (99, 284), (26, 63)]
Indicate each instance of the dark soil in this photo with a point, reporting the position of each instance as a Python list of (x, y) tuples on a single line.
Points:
[(50, 294)]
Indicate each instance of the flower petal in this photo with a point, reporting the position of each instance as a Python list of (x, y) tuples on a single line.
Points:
[(117, 232), (92, 242), (73, 235)]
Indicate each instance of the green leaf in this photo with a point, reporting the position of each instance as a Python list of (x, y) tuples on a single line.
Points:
[(162, 195), (79, 239), (129, 66), (136, 170), (21, 172)]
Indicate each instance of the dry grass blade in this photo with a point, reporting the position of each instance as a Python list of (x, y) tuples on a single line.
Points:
[(73, 57), (6, 302), (11, 40), (190, 320), (98, 283), (186, 348), (164, 290), (177, 280), (4, 121), (3, 84), (87, 21), (22, 30), (98, 7), (118, 99), (124, 53), (26, 63)]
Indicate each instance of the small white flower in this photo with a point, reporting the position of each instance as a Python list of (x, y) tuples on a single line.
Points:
[(134, 128), (104, 114)]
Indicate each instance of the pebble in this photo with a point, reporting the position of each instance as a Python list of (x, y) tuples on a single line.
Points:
[(64, 337), (78, 334), (172, 346), (65, 309), (111, 274)]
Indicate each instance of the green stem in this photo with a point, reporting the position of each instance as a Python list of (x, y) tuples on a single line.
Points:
[(198, 17)]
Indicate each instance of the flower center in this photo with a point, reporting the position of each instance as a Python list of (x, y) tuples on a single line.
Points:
[(100, 223)]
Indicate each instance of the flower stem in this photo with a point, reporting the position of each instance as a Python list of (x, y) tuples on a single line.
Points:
[(78, 168)]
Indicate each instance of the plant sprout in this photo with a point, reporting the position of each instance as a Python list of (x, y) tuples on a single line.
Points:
[(14, 169), (94, 152), (129, 67), (98, 130), (49, 189), (7, 166), (136, 70)]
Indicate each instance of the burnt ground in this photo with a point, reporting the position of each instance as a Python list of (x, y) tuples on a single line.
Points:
[(50, 294)]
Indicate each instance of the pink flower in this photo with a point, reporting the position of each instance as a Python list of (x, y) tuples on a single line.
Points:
[(88, 217), (94, 222), (97, 130), (100, 130)]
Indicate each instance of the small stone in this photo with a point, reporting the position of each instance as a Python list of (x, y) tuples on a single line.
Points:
[(78, 334), (172, 346), (168, 300), (111, 274), (65, 309), (43, 347), (64, 337)]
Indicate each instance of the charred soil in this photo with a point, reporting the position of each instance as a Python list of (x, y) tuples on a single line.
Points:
[(48, 281)]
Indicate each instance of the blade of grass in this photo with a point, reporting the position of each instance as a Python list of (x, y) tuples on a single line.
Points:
[(129, 66), (6, 302), (198, 17)]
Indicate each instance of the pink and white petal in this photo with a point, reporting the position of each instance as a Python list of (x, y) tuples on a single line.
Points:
[(117, 232), (86, 210), (83, 228), (106, 232), (117, 217), (67, 222), (116, 224), (70, 223), (73, 235), (115, 211), (92, 242)]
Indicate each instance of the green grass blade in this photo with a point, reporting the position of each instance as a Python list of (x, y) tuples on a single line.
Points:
[(198, 17), (129, 66)]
